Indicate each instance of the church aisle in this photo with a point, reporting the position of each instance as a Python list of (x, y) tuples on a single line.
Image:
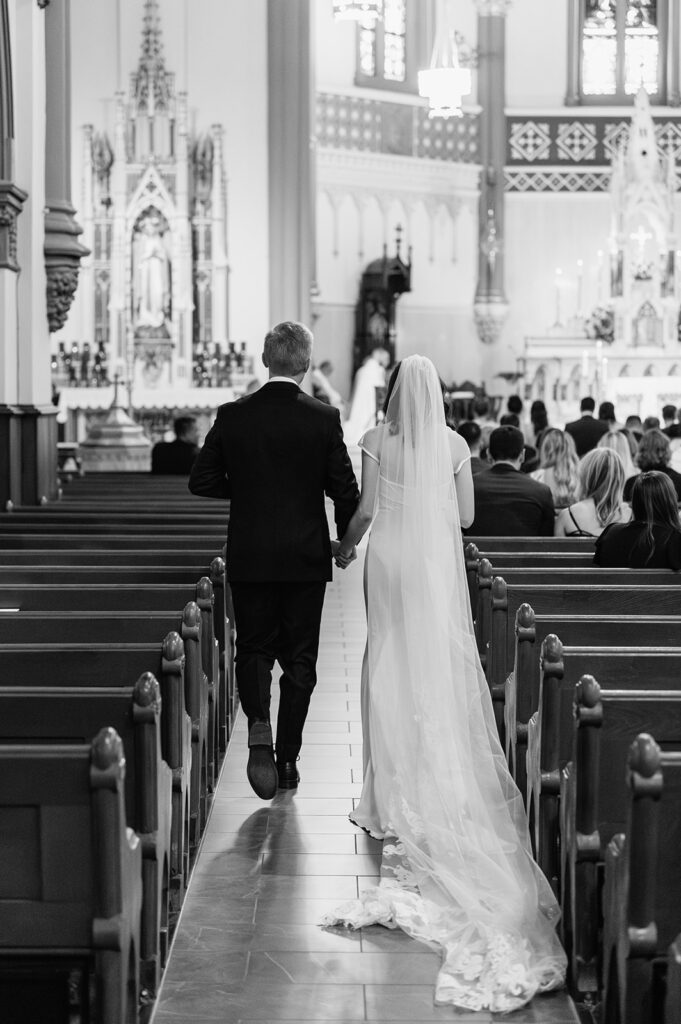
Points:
[(248, 945)]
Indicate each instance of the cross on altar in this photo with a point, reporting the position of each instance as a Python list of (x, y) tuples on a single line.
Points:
[(641, 236)]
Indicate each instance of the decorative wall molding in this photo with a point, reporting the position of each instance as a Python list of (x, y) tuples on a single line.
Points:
[(590, 140), (556, 179), (397, 129), (367, 178)]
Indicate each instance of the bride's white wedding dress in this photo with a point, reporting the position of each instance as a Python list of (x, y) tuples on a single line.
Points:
[(456, 870)]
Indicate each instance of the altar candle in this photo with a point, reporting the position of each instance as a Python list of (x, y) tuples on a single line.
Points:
[(585, 363), (580, 278), (604, 373), (599, 274)]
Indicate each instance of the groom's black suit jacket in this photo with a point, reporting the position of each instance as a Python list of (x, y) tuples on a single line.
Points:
[(275, 454)]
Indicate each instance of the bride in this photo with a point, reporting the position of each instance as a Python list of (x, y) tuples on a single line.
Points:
[(456, 870)]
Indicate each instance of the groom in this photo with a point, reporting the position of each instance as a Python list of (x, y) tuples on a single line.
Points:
[(275, 453)]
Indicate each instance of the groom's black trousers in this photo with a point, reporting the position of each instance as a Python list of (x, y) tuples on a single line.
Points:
[(278, 622)]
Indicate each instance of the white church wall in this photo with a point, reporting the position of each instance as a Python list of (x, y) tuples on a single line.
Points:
[(359, 209), (225, 55), (536, 54), (546, 233)]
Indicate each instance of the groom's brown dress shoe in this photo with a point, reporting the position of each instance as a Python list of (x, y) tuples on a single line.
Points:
[(288, 775), (261, 769)]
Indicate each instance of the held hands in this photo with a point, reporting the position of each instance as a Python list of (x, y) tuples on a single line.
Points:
[(342, 558)]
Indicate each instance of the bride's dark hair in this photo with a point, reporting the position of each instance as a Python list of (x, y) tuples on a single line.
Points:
[(391, 386)]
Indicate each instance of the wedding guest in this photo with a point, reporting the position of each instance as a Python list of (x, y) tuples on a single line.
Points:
[(509, 503), (619, 441), (654, 453), (587, 430), (485, 434), (633, 423), (322, 388), (672, 428), (558, 466), (530, 457), (514, 405), (539, 420), (652, 540), (606, 413), (600, 501), (471, 433), (482, 412), (650, 423), (176, 458)]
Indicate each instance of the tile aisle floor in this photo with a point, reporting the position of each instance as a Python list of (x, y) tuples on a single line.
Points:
[(248, 946)]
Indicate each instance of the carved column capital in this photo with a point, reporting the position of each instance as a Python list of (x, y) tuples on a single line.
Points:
[(489, 319), (11, 201), (493, 8), (63, 253)]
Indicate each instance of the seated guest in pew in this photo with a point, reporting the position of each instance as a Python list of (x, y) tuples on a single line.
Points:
[(601, 483), (672, 428), (472, 434), (606, 414), (618, 440), (652, 540), (530, 458), (650, 423), (558, 466), (507, 502), (176, 458), (654, 453), (587, 430)]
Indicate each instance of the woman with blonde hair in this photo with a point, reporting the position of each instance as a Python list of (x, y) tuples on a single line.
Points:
[(619, 442), (558, 466), (601, 485)]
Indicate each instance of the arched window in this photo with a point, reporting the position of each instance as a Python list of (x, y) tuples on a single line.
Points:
[(615, 45), (391, 51)]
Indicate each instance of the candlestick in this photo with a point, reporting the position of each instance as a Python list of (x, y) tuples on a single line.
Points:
[(580, 280)]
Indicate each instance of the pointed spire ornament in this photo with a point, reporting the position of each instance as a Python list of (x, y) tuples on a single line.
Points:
[(152, 84)]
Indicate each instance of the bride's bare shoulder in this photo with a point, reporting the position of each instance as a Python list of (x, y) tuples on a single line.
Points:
[(370, 442)]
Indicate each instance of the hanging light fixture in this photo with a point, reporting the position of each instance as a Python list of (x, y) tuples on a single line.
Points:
[(445, 82), (357, 10)]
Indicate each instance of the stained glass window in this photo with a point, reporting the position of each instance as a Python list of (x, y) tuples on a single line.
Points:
[(620, 47), (389, 51)]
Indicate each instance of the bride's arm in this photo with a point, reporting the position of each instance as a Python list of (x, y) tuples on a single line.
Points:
[(361, 520)]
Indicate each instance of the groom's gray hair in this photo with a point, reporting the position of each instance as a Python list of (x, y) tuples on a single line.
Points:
[(288, 347)]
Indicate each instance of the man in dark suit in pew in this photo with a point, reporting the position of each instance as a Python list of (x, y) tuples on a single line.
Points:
[(507, 502)]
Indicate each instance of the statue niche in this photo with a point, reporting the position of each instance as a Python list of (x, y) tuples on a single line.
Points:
[(383, 281), (151, 275)]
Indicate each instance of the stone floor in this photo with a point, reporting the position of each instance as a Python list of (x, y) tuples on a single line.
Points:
[(248, 946)]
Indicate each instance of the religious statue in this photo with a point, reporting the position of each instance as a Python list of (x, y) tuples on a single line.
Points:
[(152, 276)]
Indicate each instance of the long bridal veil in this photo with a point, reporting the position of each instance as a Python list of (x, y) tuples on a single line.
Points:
[(456, 870)]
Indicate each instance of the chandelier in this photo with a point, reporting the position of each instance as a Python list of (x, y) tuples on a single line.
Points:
[(357, 10), (445, 82)]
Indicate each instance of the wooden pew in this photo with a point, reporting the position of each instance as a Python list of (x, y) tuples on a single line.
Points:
[(521, 688), (530, 543), (71, 715), (131, 598), (549, 738), (54, 628), (499, 661), (112, 665), (604, 599), (71, 875), (593, 806), (642, 890)]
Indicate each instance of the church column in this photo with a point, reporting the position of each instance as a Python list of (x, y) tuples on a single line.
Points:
[(491, 307), (291, 96), (63, 251), (11, 202)]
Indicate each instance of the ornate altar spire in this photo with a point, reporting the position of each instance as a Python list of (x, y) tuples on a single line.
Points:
[(152, 85)]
